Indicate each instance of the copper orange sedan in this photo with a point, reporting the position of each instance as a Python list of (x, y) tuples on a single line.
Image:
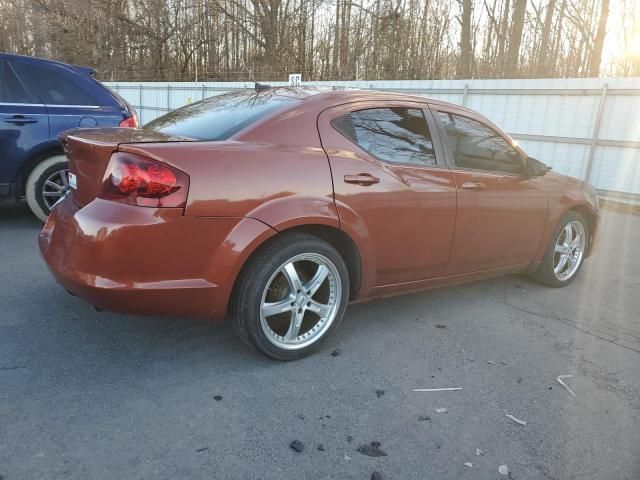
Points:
[(280, 206)]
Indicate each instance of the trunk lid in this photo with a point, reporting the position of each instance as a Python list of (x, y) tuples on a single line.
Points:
[(89, 151)]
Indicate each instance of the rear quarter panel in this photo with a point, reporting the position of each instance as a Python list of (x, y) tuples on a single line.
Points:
[(280, 185)]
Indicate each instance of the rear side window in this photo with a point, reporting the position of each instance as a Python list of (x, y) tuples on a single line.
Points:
[(55, 88), (11, 89), (219, 117), (393, 135)]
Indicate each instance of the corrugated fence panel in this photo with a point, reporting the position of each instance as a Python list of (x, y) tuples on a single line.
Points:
[(554, 120)]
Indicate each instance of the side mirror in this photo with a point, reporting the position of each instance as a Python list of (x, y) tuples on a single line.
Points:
[(535, 168)]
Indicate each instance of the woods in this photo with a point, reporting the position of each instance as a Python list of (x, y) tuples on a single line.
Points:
[(182, 40)]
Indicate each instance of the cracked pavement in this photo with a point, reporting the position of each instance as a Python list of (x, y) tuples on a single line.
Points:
[(88, 395)]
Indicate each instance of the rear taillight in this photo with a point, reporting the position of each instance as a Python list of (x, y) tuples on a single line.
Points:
[(141, 181), (130, 122)]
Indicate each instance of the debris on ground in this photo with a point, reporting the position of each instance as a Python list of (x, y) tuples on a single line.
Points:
[(376, 476), (559, 379), (517, 420), (441, 326), (423, 418), (336, 352), (320, 447), (441, 410), (519, 380), (347, 457), (446, 389), (379, 393), (202, 449), (297, 445), (468, 464), (217, 398), (349, 438), (479, 452), (372, 450), (503, 470), (491, 362)]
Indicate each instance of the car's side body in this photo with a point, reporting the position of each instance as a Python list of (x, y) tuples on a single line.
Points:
[(39, 99), (413, 228)]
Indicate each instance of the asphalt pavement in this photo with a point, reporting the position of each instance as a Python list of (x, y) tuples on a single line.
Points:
[(88, 395)]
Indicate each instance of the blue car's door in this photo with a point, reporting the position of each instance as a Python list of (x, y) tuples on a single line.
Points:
[(24, 122), (69, 104)]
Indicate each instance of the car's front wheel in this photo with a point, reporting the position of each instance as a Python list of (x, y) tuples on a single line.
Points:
[(290, 296), (47, 183), (565, 253)]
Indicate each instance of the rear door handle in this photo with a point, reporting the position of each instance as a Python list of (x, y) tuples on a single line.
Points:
[(473, 186), (363, 179), (21, 119)]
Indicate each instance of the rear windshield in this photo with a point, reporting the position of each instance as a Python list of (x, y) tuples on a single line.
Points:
[(219, 117)]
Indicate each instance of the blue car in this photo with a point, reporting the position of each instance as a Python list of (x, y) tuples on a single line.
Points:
[(38, 100)]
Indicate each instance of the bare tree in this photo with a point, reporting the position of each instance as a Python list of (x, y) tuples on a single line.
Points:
[(322, 39)]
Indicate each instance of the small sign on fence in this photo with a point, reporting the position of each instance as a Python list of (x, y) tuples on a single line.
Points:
[(295, 79)]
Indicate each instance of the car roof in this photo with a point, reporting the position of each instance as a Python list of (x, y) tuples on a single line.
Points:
[(322, 97), (46, 61)]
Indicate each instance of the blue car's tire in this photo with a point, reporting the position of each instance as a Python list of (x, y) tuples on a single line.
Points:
[(47, 183)]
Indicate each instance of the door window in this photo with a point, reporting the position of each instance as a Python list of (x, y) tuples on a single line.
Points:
[(11, 89), (55, 88), (476, 146), (393, 135)]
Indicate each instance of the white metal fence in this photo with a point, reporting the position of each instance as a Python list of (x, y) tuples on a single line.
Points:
[(586, 128)]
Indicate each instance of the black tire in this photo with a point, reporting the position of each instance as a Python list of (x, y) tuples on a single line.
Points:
[(36, 181), (246, 302), (545, 272)]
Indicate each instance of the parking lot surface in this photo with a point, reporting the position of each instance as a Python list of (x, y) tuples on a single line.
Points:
[(88, 395)]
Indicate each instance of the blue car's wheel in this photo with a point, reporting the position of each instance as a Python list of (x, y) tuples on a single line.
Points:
[(47, 183)]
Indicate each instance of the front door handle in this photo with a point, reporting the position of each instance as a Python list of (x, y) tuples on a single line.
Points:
[(363, 179), (473, 186), (21, 119)]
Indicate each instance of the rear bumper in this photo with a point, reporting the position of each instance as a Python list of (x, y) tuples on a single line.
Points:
[(140, 260)]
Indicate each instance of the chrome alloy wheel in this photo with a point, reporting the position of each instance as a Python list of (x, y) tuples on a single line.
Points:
[(55, 187), (300, 301), (569, 250)]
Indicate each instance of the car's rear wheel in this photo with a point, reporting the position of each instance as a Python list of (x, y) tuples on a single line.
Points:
[(47, 183), (565, 253), (290, 296)]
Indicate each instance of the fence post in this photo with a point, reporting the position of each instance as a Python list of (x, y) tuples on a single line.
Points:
[(464, 94), (140, 87), (168, 97), (596, 131)]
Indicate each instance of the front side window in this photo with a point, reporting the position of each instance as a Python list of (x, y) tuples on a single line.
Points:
[(56, 89), (394, 135), (11, 89), (479, 147)]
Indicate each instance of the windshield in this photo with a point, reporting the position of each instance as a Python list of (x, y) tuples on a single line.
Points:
[(220, 117)]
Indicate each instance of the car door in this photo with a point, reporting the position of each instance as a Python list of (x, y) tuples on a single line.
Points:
[(23, 122), (502, 212), (392, 184), (68, 103)]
